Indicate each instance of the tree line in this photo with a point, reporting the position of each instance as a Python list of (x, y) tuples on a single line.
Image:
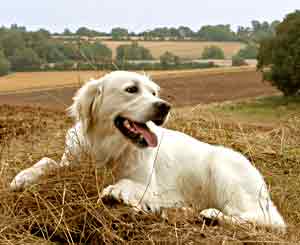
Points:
[(22, 50), (257, 31)]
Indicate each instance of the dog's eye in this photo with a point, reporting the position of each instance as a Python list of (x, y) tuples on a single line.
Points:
[(132, 90)]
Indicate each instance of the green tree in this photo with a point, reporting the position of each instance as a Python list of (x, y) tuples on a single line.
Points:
[(262, 30), (167, 59), (238, 61), (83, 31), (264, 55), (243, 33), (44, 32), (119, 33), (4, 64), (70, 51), (212, 52), (257, 32), (96, 53), (184, 31), (165, 32), (25, 59), (11, 41), (54, 53), (65, 65), (282, 55), (133, 52), (216, 33), (67, 32), (15, 27), (249, 52)]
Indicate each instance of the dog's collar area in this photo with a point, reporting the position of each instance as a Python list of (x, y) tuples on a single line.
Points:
[(138, 133)]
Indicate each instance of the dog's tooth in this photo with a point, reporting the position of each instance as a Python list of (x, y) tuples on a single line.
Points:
[(126, 124)]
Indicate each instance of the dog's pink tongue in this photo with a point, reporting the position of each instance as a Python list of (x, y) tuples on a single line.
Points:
[(148, 135)]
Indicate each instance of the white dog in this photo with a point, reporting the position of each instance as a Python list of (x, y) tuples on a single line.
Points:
[(118, 118)]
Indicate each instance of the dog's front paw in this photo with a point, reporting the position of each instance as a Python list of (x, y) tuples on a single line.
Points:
[(111, 192), (23, 179), (211, 213), (212, 216), (119, 194), (134, 198)]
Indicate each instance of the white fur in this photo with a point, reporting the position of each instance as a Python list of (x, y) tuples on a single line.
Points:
[(181, 171)]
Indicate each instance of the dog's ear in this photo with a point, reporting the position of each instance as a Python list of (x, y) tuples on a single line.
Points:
[(83, 106)]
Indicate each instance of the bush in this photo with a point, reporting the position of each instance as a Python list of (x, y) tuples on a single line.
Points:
[(282, 55), (66, 65), (133, 52), (213, 52), (96, 53), (118, 33), (238, 61), (25, 60), (168, 59), (54, 53), (4, 64), (249, 52)]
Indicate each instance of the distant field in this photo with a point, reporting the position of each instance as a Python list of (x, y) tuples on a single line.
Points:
[(181, 88), (21, 81), (184, 49), (37, 80)]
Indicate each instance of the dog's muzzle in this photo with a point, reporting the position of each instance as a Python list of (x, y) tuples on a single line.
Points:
[(138, 132), (162, 109)]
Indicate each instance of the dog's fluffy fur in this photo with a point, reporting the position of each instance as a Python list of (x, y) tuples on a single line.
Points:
[(177, 171)]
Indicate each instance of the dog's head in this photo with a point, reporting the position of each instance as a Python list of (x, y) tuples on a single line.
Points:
[(123, 102)]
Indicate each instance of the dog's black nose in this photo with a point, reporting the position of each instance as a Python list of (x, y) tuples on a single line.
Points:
[(163, 107)]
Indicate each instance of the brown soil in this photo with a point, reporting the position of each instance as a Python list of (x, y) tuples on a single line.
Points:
[(179, 88)]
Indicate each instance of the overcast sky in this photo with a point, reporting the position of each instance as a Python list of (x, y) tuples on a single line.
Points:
[(138, 15)]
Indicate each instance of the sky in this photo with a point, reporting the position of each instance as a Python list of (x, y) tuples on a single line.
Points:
[(138, 15)]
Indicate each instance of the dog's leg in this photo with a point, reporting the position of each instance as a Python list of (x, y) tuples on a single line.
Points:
[(31, 175), (264, 215), (134, 194), (240, 192), (216, 215), (267, 217)]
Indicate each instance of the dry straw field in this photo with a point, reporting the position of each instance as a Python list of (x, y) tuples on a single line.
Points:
[(64, 207), (183, 49)]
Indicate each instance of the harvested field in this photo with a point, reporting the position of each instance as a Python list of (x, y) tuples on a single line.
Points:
[(29, 81), (63, 207), (183, 49), (55, 90)]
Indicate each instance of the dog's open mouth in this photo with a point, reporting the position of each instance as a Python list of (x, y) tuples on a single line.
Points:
[(138, 133)]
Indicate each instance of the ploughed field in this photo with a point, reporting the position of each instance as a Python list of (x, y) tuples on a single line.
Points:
[(55, 89)]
